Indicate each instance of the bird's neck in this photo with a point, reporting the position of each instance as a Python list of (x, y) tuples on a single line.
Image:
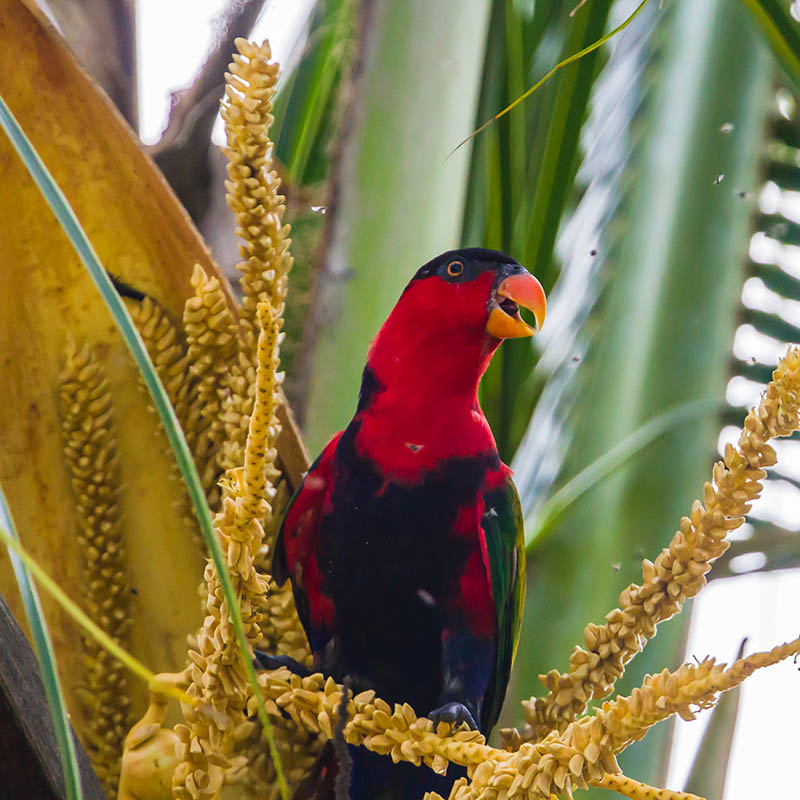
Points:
[(419, 397)]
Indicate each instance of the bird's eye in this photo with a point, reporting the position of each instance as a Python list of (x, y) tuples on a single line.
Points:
[(455, 268)]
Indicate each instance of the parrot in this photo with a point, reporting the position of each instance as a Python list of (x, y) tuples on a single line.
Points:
[(404, 542)]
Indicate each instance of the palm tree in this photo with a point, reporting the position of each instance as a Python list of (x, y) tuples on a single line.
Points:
[(632, 183)]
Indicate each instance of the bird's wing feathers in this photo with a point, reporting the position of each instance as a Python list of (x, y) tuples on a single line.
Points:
[(503, 547), (298, 538), (504, 534)]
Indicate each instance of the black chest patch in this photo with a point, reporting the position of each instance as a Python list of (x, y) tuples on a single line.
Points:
[(390, 561)]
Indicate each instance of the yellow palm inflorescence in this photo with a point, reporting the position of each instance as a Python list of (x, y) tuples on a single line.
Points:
[(253, 195), (169, 356), (249, 390), (173, 359), (211, 336), (91, 455), (236, 392), (217, 676), (582, 755), (253, 185)]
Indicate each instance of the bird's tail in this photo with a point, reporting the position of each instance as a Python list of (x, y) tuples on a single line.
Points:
[(373, 777), (376, 777)]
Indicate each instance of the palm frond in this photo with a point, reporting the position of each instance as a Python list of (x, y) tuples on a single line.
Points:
[(673, 266)]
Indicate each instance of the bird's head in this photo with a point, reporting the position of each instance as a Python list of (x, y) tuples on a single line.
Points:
[(419, 394), (477, 292), (451, 317)]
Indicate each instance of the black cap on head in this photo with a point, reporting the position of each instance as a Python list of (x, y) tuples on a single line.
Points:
[(474, 260)]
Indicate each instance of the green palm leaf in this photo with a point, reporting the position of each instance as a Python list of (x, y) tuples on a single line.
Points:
[(662, 332), (781, 31)]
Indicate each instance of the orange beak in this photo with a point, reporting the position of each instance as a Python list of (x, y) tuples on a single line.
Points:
[(519, 289)]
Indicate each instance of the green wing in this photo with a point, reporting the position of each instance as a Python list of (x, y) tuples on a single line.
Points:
[(505, 545)]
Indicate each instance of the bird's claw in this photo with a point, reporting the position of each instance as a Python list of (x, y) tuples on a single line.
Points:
[(454, 714), (265, 661)]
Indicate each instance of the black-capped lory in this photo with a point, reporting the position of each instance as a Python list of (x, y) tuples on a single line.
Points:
[(404, 543)]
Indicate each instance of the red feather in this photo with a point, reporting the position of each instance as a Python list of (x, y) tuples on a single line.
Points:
[(428, 408)]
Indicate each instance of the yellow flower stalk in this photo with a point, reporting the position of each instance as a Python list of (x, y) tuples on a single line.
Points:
[(678, 572), (171, 357), (237, 395), (691, 687), (217, 675), (253, 196), (167, 351), (211, 336), (281, 631), (253, 186), (212, 345), (91, 455), (635, 790), (582, 755)]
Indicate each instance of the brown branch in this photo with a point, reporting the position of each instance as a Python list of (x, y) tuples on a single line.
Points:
[(182, 153)]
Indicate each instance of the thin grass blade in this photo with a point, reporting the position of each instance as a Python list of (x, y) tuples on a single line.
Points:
[(563, 63), (551, 174), (46, 657)]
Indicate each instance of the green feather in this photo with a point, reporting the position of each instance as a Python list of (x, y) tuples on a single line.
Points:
[(504, 530)]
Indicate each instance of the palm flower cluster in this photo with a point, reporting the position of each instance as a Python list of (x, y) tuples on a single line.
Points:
[(583, 755), (171, 354), (216, 675), (233, 361), (90, 450), (677, 573), (211, 344), (253, 196)]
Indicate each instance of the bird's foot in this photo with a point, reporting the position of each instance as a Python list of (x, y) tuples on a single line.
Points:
[(265, 661), (454, 714)]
